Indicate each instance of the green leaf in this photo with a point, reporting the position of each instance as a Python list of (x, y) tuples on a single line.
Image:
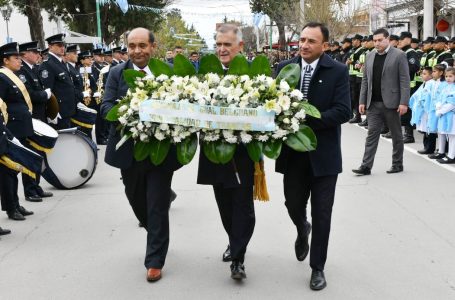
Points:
[(130, 76), (310, 110), (239, 66), (254, 149), (209, 149), (290, 73), (272, 148), (303, 140), (159, 151), (187, 149), (112, 115), (224, 151), (141, 150), (183, 67), (260, 66), (159, 67), (210, 64)]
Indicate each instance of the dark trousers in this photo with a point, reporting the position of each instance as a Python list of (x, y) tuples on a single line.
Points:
[(236, 208), (148, 190), (31, 186), (8, 189), (378, 114), (63, 123), (299, 185), (100, 128), (429, 141), (355, 94)]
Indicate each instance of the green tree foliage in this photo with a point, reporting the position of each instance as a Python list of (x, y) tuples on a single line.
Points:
[(173, 31)]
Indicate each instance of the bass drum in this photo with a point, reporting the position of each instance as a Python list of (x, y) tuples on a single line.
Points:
[(73, 160)]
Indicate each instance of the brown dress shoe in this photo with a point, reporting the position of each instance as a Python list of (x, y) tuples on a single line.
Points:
[(153, 274)]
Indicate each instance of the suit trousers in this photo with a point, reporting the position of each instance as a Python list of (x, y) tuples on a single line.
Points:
[(148, 189), (299, 184), (8, 189), (355, 94), (31, 186), (378, 114), (429, 141), (236, 208)]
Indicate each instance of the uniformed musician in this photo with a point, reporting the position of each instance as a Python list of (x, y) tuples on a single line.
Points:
[(116, 56), (354, 68), (3, 147), (85, 70)]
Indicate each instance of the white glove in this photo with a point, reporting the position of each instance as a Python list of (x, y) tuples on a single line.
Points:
[(97, 95), (85, 94), (48, 92), (54, 121), (81, 105), (16, 141), (446, 108)]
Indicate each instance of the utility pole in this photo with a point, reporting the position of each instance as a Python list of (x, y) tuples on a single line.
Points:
[(98, 20), (428, 22), (302, 13)]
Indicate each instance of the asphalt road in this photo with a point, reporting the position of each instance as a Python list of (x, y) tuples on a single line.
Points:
[(393, 237)]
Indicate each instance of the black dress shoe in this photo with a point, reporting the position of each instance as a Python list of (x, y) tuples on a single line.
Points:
[(15, 215), (436, 156), (384, 130), (24, 212), (237, 270), (446, 160), (408, 140), (301, 245), (364, 123), (4, 231), (362, 170), (387, 135), (317, 281), (395, 169), (425, 151), (227, 254), (34, 198), (45, 194), (355, 119)]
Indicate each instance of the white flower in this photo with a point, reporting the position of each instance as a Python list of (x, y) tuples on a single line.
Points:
[(244, 78), (285, 102), (122, 120), (143, 137), (300, 114), (286, 121), (263, 138), (140, 126), (296, 94), (122, 108), (245, 137), (162, 77), (284, 86), (295, 125), (164, 126)]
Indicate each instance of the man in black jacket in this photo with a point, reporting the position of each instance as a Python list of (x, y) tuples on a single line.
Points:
[(29, 76), (315, 173), (147, 187), (234, 195)]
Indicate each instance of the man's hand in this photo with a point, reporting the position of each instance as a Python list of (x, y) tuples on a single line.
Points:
[(402, 109), (362, 109)]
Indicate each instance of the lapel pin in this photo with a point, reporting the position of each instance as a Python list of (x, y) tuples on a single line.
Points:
[(320, 81)]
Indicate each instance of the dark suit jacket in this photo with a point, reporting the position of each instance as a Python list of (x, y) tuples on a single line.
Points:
[(55, 75), (329, 93), (122, 158), (5, 135), (35, 89), (76, 77), (19, 117)]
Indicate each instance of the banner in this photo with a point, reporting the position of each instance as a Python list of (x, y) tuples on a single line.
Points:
[(207, 116)]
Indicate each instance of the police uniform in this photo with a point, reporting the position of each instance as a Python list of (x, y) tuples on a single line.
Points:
[(19, 110), (440, 56), (355, 83), (414, 66), (4, 136), (29, 76), (361, 69), (346, 52), (114, 60), (55, 75)]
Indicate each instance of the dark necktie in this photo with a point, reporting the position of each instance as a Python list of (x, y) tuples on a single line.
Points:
[(306, 80), (143, 72)]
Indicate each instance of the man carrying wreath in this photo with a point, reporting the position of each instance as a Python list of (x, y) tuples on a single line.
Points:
[(147, 187), (232, 182)]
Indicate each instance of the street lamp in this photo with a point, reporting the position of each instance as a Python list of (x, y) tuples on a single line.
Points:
[(6, 13)]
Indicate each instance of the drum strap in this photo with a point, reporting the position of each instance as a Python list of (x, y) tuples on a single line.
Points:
[(4, 110), (82, 124), (8, 73), (10, 164)]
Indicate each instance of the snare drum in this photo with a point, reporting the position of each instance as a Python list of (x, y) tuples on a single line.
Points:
[(73, 160), (44, 136), (85, 117), (21, 159)]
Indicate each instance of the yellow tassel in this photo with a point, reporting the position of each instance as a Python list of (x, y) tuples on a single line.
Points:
[(260, 185), (38, 147), (16, 166), (86, 125)]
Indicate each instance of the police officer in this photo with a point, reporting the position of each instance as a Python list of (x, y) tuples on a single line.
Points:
[(441, 54), (28, 74), (54, 74), (19, 110), (4, 134), (116, 56), (124, 53), (354, 81), (89, 84), (394, 40), (71, 64), (335, 52), (452, 46), (414, 66), (369, 46), (346, 49), (98, 62), (99, 73)]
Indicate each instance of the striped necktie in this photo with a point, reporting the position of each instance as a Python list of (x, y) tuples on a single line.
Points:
[(306, 80)]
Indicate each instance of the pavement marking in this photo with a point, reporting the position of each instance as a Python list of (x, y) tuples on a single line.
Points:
[(414, 151)]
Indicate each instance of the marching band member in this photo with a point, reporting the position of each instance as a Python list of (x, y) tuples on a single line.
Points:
[(3, 146)]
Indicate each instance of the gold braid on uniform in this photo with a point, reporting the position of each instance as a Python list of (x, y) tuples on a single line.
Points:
[(4, 110), (11, 164), (260, 185)]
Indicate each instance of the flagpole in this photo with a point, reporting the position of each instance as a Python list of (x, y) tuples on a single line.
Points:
[(98, 20)]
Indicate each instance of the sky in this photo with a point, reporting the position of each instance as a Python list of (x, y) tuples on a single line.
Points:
[(204, 14)]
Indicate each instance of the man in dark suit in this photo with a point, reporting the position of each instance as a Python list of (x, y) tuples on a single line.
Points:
[(147, 187), (29, 76), (384, 96), (325, 83), (234, 195), (54, 74)]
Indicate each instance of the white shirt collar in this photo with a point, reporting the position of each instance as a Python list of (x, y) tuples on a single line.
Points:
[(146, 69), (73, 64), (29, 65), (385, 52), (59, 58), (313, 65)]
